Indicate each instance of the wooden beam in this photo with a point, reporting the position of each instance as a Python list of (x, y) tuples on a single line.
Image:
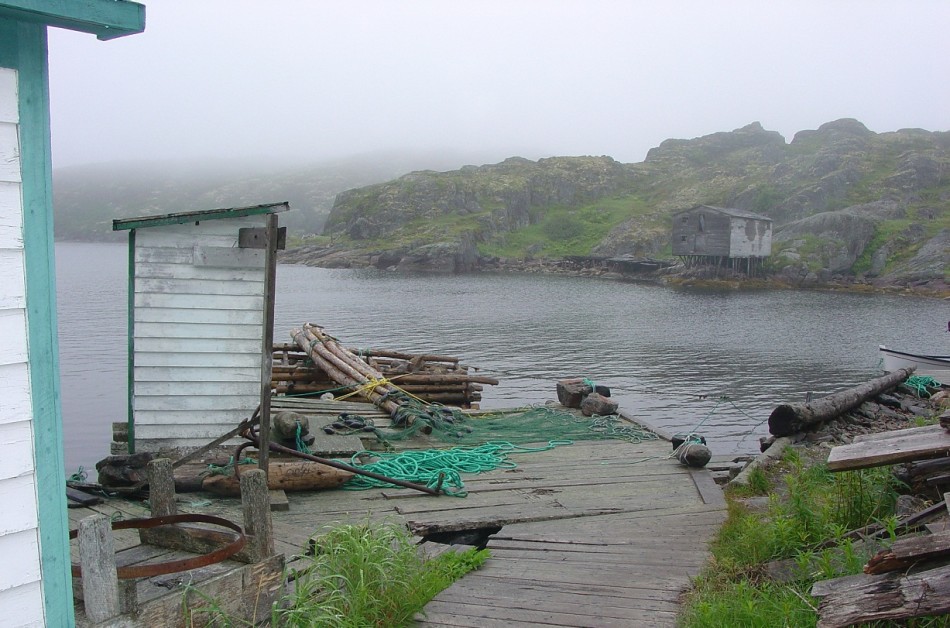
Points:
[(909, 551), (107, 19), (180, 218), (267, 341), (852, 600), (897, 447)]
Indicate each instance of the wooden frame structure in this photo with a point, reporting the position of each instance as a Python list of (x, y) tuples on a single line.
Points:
[(36, 589), (201, 319)]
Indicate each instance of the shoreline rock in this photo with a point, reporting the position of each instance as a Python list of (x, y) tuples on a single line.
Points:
[(446, 259)]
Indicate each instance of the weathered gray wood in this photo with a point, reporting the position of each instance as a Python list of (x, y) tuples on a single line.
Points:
[(710, 492), (763, 460), (267, 340), (910, 431), (885, 597), (278, 501), (161, 488), (606, 523), (100, 585), (899, 446), (908, 551), (243, 593), (790, 418), (79, 499), (255, 502)]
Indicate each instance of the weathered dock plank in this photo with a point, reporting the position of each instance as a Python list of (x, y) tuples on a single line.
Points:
[(891, 448), (597, 533)]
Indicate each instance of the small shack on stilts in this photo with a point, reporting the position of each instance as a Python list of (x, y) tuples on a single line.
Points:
[(722, 238)]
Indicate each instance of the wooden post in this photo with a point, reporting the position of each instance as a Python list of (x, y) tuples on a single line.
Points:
[(100, 584), (267, 342), (161, 487), (257, 519)]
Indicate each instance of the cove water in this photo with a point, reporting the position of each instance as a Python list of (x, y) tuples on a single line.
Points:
[(714, 361)]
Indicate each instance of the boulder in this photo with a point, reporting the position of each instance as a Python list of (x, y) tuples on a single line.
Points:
[(595, 403), (570, 392)]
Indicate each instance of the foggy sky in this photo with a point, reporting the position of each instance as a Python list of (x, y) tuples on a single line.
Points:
[(308, 80)]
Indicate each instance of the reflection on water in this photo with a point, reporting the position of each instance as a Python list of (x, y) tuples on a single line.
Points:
[(677, 359)]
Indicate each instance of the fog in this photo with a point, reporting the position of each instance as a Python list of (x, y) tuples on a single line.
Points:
[(299, 80)]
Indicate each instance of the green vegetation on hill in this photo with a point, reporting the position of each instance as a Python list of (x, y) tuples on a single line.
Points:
[(843, 200)]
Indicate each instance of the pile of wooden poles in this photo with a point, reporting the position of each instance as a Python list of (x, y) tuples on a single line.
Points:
[(432, 378)]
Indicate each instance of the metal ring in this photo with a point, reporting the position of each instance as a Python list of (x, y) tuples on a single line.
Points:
[(158, 569)]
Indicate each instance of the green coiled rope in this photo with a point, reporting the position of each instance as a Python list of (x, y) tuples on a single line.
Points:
[(435, 467), (920, 384)]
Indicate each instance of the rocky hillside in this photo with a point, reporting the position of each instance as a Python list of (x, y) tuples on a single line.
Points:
[(847, 203), (87, 198)]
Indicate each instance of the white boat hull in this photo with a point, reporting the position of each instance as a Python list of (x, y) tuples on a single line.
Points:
[(936, 366)]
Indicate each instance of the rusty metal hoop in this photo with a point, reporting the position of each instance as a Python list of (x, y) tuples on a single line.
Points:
[(172, 566)]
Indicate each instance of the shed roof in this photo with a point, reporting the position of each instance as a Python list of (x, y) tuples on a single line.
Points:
[(209, 214), (106, 19), (735, 213)]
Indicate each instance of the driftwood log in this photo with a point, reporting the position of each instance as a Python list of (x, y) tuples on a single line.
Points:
[(791, 418), (281, 475)]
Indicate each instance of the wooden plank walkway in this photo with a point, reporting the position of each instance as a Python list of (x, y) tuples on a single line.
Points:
[(631, 530), (597, 533)]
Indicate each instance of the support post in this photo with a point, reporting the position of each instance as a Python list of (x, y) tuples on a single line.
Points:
[(100, 584), (161, 499), (161, 487), (267, 342), (255, 501)]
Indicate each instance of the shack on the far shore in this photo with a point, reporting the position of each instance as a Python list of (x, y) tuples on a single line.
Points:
[(716, 236)]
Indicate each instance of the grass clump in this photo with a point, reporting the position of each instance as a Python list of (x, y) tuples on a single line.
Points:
[(370, 575), (358, 576), (807, 506)]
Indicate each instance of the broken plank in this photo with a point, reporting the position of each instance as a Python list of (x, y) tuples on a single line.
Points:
[(535, 593), (910, 431), (908, 551), (278, 501), (79, 499), (492, 613), (895, 449), (885, 597)]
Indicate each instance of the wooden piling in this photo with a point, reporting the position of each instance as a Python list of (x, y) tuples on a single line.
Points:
[(161, 487), (100, 584), (255, 501)]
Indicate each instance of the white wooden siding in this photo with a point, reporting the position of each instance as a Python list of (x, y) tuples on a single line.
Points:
[(750, 238), (21, 594), (198, 323)]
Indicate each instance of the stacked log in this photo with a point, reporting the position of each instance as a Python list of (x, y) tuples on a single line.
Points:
[(432, 378)]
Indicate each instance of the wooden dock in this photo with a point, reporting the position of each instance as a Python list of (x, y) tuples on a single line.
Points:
[(596, 533)]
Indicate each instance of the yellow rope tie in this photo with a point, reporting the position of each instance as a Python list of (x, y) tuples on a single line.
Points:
[(369, 386)]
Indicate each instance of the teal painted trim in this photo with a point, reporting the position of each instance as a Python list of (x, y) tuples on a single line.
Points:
[(42, 339), (210, 214), (130, 437), (9, 51), (107, 19)]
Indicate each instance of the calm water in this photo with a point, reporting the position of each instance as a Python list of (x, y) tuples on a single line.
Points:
[(669, 356)]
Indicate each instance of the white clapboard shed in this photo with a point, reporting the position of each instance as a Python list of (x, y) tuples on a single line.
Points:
[(35, 581), (199, 332)]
